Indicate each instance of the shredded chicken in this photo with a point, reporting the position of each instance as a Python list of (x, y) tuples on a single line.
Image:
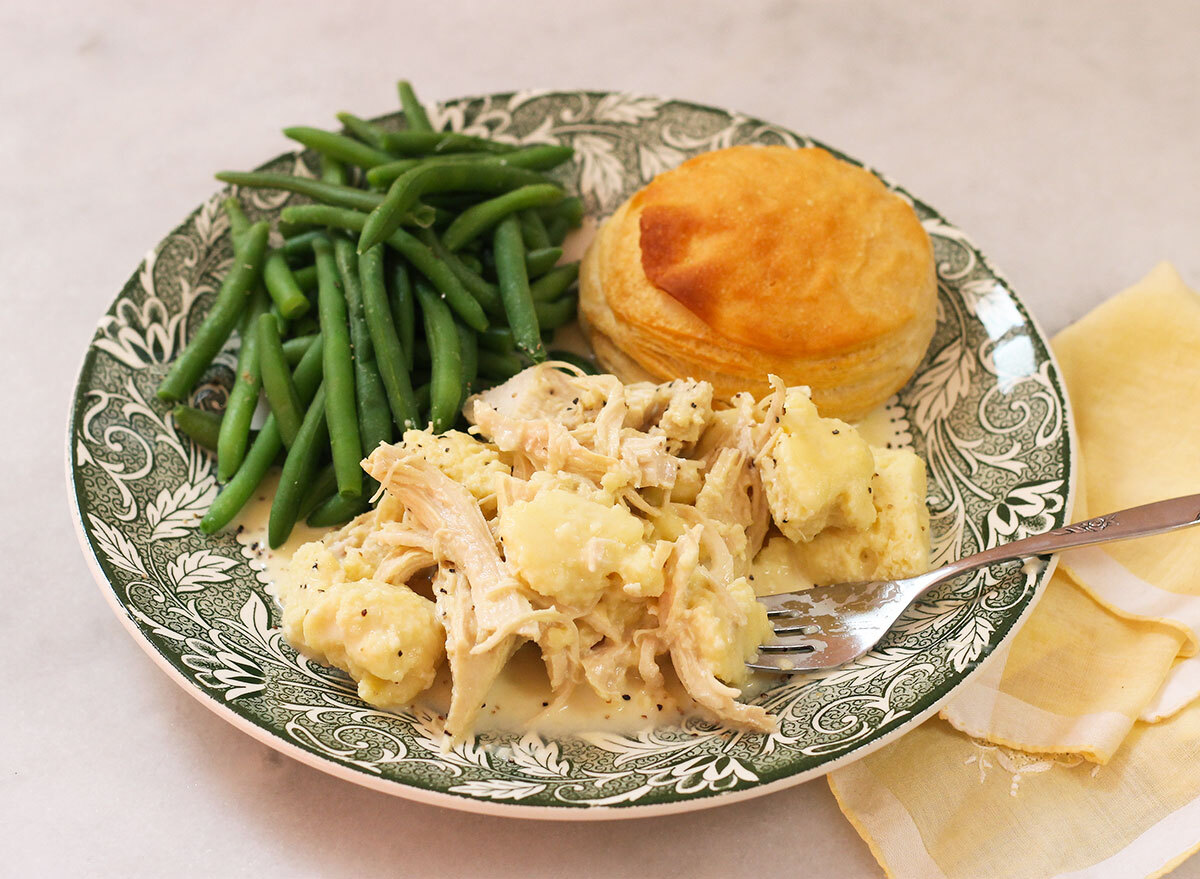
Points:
[(612, 525)]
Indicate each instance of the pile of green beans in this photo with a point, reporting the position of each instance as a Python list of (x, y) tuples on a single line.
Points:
[(422, 266)]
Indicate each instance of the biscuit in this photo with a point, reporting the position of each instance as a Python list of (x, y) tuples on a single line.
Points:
[(754, 260)]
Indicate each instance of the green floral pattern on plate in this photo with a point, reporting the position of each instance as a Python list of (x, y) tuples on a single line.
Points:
[(986, 409)]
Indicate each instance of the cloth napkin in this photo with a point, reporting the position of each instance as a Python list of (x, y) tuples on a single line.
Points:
[(1076, 750)]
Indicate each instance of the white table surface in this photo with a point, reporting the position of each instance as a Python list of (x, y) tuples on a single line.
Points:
[(1063, 136)]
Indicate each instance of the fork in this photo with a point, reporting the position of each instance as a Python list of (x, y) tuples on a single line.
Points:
[(828, 626)]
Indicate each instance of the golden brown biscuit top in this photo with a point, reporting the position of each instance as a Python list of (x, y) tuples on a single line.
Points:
[(789, 251)]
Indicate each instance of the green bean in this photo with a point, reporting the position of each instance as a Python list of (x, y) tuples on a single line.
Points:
[(333, 171), (536, 158), (497, 339), (381, 176), (239, 224), (374, 415), (446, 381), (533, 231), (201, 425), (575, 360), (368, 132), (221, 318), (337, 362), (337, 510), (325, 215), (419, 143), (556, 229), (414, 113), (345, 218), (306, 278), (423, 394), (554, 282), (280, 283), (300, 246), (243, 396), (298, 469), (570, 209), (338, 146), (404, 311), (500, 366), (281, 394), (389, 353), (485, 293), (552, 315), (474, 221), (509, 252), (418, 255), (480, 176), (538, 262), (317, 190), (294, 348), (263, 450), (322, 485), (468, 349)]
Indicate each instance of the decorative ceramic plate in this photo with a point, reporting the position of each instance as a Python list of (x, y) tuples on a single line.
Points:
[(986, 410)]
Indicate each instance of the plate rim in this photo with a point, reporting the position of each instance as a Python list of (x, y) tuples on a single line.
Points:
[(581, 812)]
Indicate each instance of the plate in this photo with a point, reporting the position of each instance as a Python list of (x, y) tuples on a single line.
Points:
[(987, 411)]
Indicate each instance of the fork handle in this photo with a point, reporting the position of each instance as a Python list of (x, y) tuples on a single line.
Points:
[(1140, 521)]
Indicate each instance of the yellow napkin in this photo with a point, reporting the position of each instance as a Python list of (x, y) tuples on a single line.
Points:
[(1076, 751)]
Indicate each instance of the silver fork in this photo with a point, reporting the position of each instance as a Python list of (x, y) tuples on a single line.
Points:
[(827, 626)]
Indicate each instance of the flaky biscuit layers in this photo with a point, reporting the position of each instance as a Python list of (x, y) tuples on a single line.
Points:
[(755, 260)]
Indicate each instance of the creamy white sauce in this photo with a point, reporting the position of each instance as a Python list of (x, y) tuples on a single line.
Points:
[(521, 700), (881, 426), (252, 535)]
